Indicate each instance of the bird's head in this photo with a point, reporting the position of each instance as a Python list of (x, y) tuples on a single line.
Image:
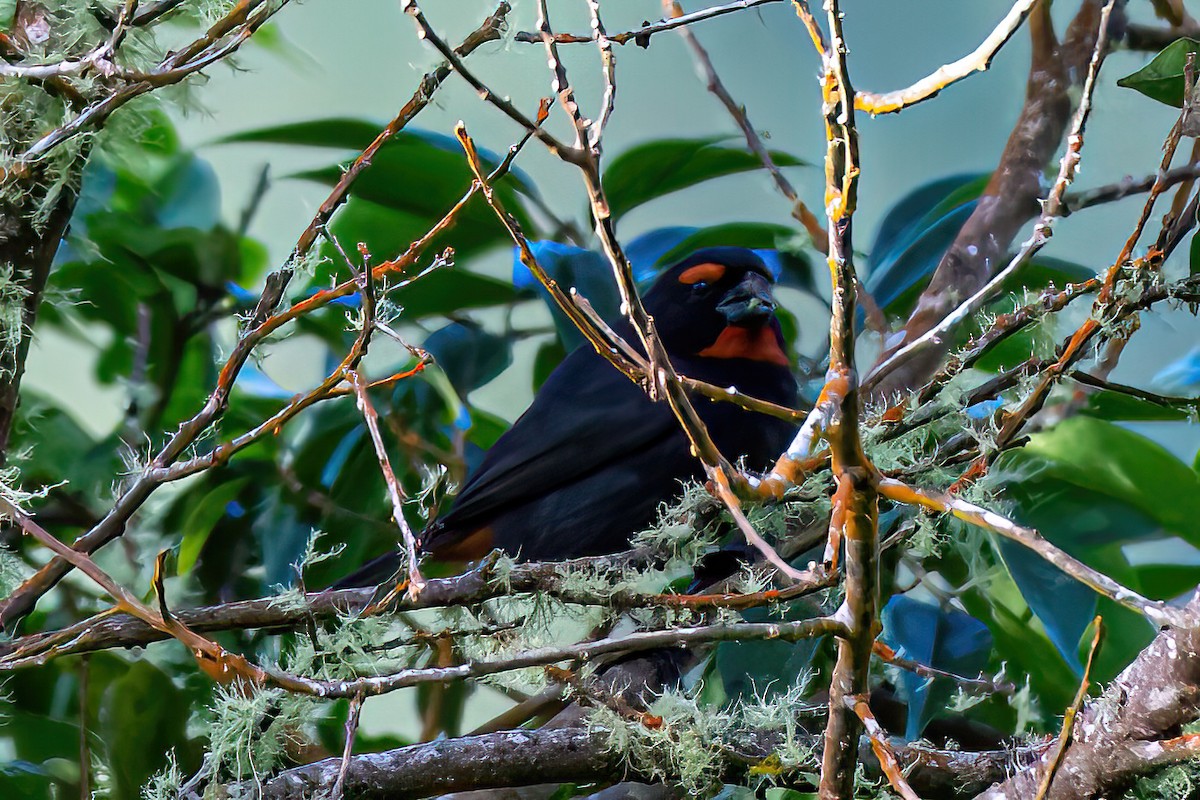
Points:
[(717, 303)]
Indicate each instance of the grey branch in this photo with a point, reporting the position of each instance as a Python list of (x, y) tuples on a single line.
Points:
[(1130, 729), (580, 755)]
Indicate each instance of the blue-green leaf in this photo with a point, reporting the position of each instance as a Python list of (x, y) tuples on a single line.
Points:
[(654, 169), (943, 638)]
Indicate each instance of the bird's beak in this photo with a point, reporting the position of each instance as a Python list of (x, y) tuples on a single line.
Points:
[(748, 303)]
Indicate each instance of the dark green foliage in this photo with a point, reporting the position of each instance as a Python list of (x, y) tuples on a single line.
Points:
[(1163, 78), (655, 169)]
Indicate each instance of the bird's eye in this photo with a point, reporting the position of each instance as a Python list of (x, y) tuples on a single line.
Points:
[(700, 286)]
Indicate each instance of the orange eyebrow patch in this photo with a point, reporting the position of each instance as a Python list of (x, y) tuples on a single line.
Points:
[(709, 272)]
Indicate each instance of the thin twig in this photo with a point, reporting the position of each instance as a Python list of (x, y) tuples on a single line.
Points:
[(1077, 201), (1064, 734), (737, 111), (1156, 611), (979, 684), (339, 786), (642, 35), (395, 492), (425, 31), (882, 749)]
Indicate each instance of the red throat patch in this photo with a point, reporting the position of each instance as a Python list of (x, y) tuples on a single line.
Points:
[(756, 345)]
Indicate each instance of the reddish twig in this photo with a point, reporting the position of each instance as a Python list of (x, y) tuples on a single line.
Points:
[(1064, 734), (883, 751)]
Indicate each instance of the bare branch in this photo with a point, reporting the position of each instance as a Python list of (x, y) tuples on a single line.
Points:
[(1156, 611), (976, 61), (549, 579), (1064, 736), (395, 492), (583, 755), (882, 748), (642, 35)]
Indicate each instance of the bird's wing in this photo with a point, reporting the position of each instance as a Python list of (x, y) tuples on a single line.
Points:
[(585, 416)]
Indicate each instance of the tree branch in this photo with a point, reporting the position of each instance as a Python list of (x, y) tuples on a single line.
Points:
[(582, 755), (1130, 729), (1011, 197)]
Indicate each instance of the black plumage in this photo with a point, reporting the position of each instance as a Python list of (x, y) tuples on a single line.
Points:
[(589, 462)]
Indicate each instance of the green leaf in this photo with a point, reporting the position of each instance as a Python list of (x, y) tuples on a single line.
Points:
[(783, 793), (207, 510), (549, 355), (1020, 639), (927, 202), (413, 175), (766, 668), (1165, 581), (1194, 256), (752, 235), (140, 720), (23, 780), (657, 168), (940, 637), (1126, 633), (564, 792), (1044, 271), (344, 133), (1162, 79), (1106, 404), (50, 446), (444, 291), (469, 355), (486, 428), (914, 236), (388, 232), (38, 738), (1064, 605), (199, 257), (1033, 276), (1109, 460)]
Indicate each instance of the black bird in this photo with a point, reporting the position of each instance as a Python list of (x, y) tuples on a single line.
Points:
[(589, 462)]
